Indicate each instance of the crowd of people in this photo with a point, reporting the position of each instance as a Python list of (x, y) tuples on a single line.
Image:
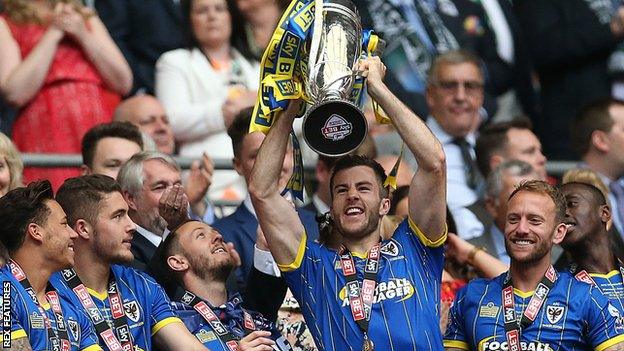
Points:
[(472, 246)]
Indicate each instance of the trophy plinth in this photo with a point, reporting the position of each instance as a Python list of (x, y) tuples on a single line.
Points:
[(334, 127)]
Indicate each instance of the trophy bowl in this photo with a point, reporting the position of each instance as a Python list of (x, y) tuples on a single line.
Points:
[(334, 125)]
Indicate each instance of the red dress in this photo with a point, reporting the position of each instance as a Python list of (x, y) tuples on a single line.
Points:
[(73, 99)]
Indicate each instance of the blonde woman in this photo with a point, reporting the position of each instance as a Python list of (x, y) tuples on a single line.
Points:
[(11, 166), (60, 67)]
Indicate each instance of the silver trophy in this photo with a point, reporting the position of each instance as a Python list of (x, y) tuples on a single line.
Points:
[(334, 125)]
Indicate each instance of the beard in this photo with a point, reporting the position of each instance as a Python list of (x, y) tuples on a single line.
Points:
[(532, 257), (205, 267), (365, 228)]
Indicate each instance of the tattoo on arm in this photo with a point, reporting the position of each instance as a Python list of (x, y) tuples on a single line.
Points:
[(20, 344)]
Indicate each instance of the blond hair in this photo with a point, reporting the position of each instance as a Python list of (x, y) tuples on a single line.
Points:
[(585, 176), (21, 11), (13, 160)]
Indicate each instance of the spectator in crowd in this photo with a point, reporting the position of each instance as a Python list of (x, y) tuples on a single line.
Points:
[(97, 212), (34, 230), (149, 116), (499, 185), (597, 135), (509, 140), (143, 30), (587, 241), (569, 43), (240, 227), (106, 147), (205, 85), (11, 166), (145, 112), (359, 200), (144, 178), (253, 31), (519, 96), (535, 222), (322, 196), (454, 96), (418, 31), (195, 258), (60, 66)]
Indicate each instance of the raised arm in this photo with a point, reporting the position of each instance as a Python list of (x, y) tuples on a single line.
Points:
[(100, 49), (277, 217), (427, 196), (21, 78)]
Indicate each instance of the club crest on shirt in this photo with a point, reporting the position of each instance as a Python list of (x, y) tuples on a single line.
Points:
[(399, 289), (73, 328), (132, 311), (554, 313), (390, 249)]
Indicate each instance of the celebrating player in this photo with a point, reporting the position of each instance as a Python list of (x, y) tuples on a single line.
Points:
[(587, 241), (532, 307), (34, 230), (395, 306), (193, 264), (127, 307)]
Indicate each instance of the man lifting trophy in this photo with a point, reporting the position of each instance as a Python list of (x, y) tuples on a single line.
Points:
[(313, 55)]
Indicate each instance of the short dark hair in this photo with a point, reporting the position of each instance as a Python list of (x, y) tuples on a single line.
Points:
[(158, 267), (80, 197), (592, 117), (239, 128), (350, 161), (541, 187), (19, 208), (116, 129), (493, 139)]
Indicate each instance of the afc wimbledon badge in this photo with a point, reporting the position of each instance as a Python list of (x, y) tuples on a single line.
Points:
[(336, 128), (554, 313), (132, 310)]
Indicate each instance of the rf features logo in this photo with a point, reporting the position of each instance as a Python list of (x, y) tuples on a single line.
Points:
[(6, 314)]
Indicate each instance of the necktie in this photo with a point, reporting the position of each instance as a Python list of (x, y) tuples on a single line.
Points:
[(618, 191), (473, 177)]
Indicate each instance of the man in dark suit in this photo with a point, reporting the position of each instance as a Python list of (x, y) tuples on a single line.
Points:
[(241, 226), (143, 30), (322, 197)]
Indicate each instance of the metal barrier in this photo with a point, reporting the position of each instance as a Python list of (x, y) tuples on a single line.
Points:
[(554, 168)]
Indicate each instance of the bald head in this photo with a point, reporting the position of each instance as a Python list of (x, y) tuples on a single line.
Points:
[(149, 116)]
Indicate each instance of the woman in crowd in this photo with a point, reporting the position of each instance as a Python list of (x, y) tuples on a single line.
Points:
[(204, 86), (59, 65), (259, 20), (11, 166)]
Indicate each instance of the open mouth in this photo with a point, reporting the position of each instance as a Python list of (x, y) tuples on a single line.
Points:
[(354, 211), (219, 249), (522, 242)]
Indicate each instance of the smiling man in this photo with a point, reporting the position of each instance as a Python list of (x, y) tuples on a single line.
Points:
[(34, 230), (532, 307), (127, 308), (407, 268), (193, 264)]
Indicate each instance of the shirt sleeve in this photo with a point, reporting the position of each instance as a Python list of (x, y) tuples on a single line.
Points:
[(300, 276), (605, 326), (455, 335), (161, 314)]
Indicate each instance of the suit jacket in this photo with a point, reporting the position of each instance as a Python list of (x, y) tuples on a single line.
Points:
[(143, 30), (143, 250), (240, 229)]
